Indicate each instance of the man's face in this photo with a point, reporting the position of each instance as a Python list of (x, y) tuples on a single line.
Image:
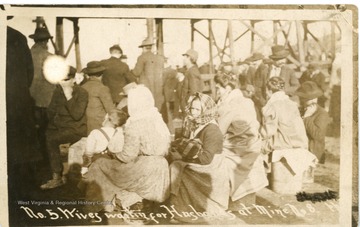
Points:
[(186, 60), (280, 62), (67, 82)]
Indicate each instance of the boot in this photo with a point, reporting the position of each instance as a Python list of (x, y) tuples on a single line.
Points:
[(55, 182)]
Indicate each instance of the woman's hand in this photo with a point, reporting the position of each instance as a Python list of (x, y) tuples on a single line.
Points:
[(174, 155)]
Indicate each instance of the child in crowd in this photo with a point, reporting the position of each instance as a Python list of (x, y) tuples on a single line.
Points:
[(98, 139)]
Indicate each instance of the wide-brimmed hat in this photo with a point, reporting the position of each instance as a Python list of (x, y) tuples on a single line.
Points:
[(72, 72), (146, 42), (94, 67), (256, 56), (193, 54), (279, 52), (309, 90), (40, 34), (127, 88), (115, 47)]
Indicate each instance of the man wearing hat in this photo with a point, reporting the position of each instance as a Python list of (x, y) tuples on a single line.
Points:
[(67, 123), (192, 81), (41, 90), (149, 71), (117, 73), (259, 77), (279, 68), (100, 101), (314, 74), (315, 118)]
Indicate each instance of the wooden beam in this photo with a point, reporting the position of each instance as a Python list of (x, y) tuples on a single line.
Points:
[(241, 35), (211, 40), (150, 28), (192, 25), (159, 37), (60, 35), (201, 34), (77, 45), (287, 43), (317, 41), (70, 46), (269, 40), (333, 39), (274, 29), (231, 42), (253, 29), (300, 42)]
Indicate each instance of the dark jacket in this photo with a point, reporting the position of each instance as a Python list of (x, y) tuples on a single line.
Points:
[(259, 81), (100, 103), (192, 84), (170, 83), (318, 78), (149, 69), (315, 126), (68, 114), (20, 123), (41, 90), (212, 143), (116, 76)]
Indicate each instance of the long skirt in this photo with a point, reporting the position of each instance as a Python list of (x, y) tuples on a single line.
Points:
[(200, 188), (246, 172), (147, 177)]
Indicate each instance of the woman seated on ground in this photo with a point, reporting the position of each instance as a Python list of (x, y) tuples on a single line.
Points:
[(139, 169), (242, 142), (199, 179)]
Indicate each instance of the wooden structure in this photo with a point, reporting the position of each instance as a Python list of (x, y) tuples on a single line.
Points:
[(155, 31)]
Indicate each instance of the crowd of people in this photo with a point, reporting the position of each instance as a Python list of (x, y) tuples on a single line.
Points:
[(262, 112)]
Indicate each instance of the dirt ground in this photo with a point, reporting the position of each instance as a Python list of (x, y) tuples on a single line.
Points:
[(326, 175)]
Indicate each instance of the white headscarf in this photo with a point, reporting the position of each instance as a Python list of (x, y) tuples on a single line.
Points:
[(141, 105)]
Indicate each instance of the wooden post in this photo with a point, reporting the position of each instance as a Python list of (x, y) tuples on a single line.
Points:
[(159, 37), (301, 57), (333, 39), (306, 42), (211, 41), (275, 27), (77, 45), (231, 42), (252, 37), (59, 41), (192, 25), (150, 28)]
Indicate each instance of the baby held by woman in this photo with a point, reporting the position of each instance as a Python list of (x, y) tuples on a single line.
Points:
[(98, 140)]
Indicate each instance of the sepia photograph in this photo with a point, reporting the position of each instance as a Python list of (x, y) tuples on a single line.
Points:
[(179, 115)]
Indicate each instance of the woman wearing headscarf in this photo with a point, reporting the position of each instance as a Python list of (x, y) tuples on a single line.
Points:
[(199, 180), (139, 169), (283, 131), (242, 142)]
